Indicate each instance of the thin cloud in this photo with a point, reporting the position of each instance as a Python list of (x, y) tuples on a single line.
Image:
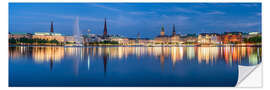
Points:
[(140, 13), (247, 24), (92, 19), (123, 21), (33, 23), (178, 20), (63, 16), (137, 13), (215, 13), (200, 5), (181, 18), (249, 5), (106, 7), (185, 10)]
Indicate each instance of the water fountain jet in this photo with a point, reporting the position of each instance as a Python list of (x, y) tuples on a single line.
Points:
[(76, 33)]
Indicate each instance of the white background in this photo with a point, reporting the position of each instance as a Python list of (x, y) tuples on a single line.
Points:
[(4, 46)]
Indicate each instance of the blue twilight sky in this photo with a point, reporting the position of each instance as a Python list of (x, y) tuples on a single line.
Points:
[(128, 19)]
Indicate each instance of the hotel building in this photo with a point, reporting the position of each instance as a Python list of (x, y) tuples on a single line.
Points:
[(209, 38), (232, 37)]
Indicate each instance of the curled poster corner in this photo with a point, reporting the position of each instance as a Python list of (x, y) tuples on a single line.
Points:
[(250, 76)]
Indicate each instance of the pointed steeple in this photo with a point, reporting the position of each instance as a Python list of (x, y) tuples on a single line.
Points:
[(162, 33), (52, 27), (173, 32), (105, 28)]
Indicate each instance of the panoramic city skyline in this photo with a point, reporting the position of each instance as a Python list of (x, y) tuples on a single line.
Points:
[(128, 19), (132, 44)]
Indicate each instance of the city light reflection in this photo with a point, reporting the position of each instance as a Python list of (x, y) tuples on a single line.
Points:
[(203, 55)]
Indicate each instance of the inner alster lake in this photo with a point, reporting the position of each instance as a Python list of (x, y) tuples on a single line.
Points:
[(128, 66)]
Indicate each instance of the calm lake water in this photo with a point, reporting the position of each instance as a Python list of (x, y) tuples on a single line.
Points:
[(128, 66)]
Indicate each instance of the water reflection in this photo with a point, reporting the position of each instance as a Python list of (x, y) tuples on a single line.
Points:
[(192, 65), (205, 55), (41, 54)]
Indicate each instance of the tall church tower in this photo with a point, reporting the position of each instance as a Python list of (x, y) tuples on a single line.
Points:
[(162, 32), (173, 32), (105, 28), (52, 27)]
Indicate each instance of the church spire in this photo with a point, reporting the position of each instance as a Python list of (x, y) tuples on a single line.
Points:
[(105, 28), (52, 27), (162, 33), (174, 33)]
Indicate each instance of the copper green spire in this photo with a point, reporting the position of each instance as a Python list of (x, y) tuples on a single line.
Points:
[(162, 28), (162, 33)]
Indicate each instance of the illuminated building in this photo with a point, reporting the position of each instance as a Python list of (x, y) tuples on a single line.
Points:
[(215, 38), (49, 37), (69, 39), (174, 38), (204, 38), (48, 33), (232, 37), (91, 38), (164, 39), (209, 38), (143, 41), (119, 39), (162, 32), (132, 41), (251, 37), (88, 38), (20, 35), (254, 34), (189, 38), (140, 41)]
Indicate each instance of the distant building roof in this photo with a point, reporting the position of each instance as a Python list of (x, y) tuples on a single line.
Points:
[(139, 38), (116, 36), (189, 35), (47, 33), (254, 33), (203, 34), (233, 33)]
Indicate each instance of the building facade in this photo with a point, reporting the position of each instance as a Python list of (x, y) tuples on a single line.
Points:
[(165, 39), (20, 35), (209, 38), (232, 38), (189, 39), (59, 38)]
